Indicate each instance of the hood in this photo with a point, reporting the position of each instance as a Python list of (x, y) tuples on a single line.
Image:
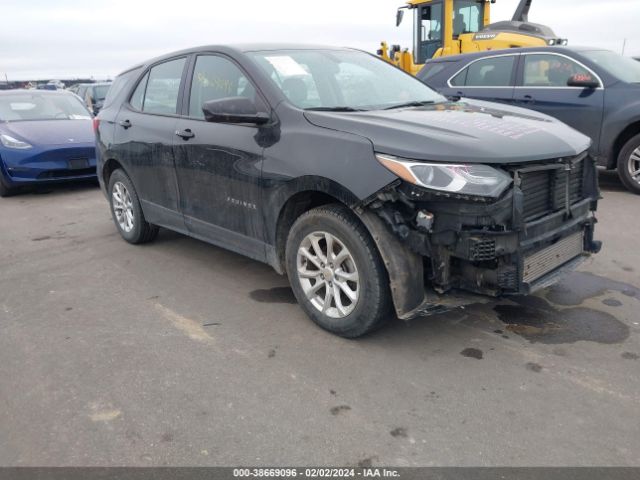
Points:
[(51, 132), (466, 131)]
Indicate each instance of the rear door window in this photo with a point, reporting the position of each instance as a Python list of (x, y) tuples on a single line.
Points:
[(488, 72), (163, 87)]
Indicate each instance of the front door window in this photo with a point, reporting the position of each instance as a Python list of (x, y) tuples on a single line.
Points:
[(550, 71)]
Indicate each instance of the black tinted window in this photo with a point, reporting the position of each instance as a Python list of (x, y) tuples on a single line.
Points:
[(138, 96), (489, 72), (214, 78), (163, 87)]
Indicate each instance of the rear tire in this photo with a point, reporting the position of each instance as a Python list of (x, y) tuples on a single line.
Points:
[(629, 165), (127, 211), (346, 291)]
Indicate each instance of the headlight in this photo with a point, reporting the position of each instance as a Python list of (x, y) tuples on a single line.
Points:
[(10, 142), (464, 179)]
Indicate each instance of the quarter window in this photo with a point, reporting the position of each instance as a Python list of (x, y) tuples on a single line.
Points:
[(163, 86), (489, 72), (550, 70), (138, 95), (216, 77), (118, 86)]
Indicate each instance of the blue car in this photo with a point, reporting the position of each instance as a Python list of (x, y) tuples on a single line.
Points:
[(595, 91), (45, 136)]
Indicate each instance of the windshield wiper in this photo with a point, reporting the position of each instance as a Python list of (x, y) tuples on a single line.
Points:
[(335, 109), (412, 104)]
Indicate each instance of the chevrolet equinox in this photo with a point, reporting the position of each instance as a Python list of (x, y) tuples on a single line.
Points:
[(371, 192)]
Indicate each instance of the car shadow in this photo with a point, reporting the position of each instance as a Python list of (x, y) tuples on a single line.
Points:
[(610, 182), (55, 189)]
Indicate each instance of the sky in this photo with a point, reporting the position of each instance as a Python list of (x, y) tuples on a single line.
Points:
[(100, 38)]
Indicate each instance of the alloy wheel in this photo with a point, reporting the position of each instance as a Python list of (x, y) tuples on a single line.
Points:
[(634, 165), (328, 274), (122, 206)]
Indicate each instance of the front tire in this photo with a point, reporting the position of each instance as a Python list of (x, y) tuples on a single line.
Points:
[(629, 165), (127, 211), (336, 272)]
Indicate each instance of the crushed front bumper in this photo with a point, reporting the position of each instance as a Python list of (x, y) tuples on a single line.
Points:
[(513, 246)]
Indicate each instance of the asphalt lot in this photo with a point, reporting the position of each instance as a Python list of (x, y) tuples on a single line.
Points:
[(180, 353)]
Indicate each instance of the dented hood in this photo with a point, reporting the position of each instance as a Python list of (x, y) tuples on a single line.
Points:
[(468, 131)]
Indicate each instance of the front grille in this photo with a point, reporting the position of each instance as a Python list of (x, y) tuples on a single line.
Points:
[(54, 174), (544, 191), (543, 261)]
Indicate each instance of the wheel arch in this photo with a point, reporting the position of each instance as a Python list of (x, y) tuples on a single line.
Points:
[(298, 197), (623, 137), (108, 167), (404, 267)]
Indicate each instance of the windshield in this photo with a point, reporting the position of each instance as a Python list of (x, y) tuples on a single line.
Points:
[(339, 79), (624, 68), (37, 106), (100, 92)]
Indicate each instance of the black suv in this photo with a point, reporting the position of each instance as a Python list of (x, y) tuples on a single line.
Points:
[(359, 182)]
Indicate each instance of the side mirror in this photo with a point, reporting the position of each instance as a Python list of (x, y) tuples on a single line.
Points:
[(583, 80), (233, 110), (399, 17)]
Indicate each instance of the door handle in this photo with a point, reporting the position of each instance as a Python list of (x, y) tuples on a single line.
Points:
[(528, 99), (125, 124), (185, 134)]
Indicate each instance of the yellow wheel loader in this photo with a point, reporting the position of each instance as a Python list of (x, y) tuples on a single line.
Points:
[(451, 27)]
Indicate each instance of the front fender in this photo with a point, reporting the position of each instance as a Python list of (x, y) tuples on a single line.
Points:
[(614, 125), (404, 267)]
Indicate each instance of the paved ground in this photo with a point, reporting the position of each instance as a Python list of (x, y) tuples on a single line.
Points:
[(179, 353)]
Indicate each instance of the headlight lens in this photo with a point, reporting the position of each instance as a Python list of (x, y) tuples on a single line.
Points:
[(10, 142), (463, 179)]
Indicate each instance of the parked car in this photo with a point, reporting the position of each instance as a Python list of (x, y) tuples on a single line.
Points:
[(55, 85), (346, 173), (74, 88), (45, 136), (93, 95), (80, 89), (595, 91)]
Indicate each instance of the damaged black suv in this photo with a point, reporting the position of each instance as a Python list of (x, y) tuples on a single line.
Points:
[(373, 193)]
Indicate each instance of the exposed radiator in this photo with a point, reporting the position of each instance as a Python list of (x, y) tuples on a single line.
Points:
[(544, 191), (542, 262)]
